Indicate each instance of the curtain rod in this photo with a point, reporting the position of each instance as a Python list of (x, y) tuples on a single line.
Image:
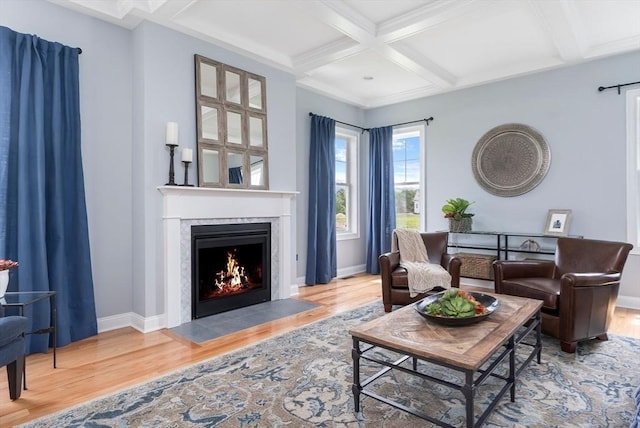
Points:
[(619, 85), (427, 120), (79, 50)]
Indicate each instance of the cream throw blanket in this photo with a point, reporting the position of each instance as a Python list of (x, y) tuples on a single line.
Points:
[(421, 274)]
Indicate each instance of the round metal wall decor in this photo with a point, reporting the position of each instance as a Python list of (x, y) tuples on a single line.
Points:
[(510, 159)]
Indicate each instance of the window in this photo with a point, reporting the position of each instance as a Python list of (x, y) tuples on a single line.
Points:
[(633, 168), (408, 176), (346, 183)]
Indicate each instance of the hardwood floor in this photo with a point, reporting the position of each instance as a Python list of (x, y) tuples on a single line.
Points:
[(123, 358)]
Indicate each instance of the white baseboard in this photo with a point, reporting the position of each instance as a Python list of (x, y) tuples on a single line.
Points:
[(342, 273), (628, 302), (131, 319)]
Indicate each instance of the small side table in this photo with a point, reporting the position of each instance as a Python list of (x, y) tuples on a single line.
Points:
[(22, 299)]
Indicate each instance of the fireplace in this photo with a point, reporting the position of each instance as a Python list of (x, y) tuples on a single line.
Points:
[(231, 267)]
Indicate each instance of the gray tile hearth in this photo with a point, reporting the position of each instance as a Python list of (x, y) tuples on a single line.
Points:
[(214, 326)]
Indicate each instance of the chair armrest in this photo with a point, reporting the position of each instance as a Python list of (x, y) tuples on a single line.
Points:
[(389, 261), (506, 269), (452, 264), (590, 279), (10, 328)]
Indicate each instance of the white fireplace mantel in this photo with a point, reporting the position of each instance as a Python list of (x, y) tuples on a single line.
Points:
[(184, 204)]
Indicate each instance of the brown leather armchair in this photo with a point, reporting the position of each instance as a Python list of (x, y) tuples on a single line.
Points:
[(395, 288), (578, 289)]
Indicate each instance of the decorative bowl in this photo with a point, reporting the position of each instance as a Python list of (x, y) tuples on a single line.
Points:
[(489, 302)]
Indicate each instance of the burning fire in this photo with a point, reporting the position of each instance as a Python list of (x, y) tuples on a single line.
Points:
[(233, 279)]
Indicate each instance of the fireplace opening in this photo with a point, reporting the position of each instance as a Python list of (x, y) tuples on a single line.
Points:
[(231, 267)]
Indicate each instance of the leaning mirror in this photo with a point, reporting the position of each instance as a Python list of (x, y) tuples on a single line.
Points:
[(231, 120)]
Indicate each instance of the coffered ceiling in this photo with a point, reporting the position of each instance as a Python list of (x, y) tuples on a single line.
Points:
[(371, 53)]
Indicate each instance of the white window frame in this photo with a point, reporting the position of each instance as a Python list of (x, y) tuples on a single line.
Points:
[(633, 169), (421, 130), (353, 205)]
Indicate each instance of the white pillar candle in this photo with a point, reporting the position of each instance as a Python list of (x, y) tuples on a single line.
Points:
[(187, 155), (172, 133)]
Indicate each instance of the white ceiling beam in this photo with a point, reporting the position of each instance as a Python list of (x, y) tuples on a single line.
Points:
[(410, 60), (331, 52), (560, 20), (423, 18), (341, 17)]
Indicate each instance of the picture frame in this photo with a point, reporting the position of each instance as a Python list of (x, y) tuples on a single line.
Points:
[(557, 223)]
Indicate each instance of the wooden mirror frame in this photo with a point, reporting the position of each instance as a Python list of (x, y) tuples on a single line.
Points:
[(245, 110)]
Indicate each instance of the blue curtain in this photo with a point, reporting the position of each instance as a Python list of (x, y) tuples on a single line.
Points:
[(382, 212), (321, 232), (43, 217), (235, 175)]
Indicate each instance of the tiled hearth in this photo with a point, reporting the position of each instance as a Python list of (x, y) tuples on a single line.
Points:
[(184, 207)]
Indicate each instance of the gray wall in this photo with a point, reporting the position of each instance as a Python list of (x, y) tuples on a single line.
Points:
[(132, 83), (164, 68), (584, 128)]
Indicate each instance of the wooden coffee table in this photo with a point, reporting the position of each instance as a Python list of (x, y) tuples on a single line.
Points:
[(476, 350)]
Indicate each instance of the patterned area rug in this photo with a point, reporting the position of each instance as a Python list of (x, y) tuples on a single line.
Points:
[(303, 379)]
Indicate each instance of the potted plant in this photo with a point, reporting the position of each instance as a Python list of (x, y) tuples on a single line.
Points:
[(456, 211)]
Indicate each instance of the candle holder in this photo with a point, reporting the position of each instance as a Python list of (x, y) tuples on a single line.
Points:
[(186, 175), (172, 148)]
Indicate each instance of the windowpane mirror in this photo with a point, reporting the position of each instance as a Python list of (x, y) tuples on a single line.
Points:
[(257, 166), (256, 131), (255, 93), (232, 84), (208, 80), (231, 126), (210, 166), (234, 127), (235, 167), (209, 123)]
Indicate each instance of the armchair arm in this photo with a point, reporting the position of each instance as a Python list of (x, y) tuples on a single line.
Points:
[(10, 328), (590, 279), (388, 262), (587, 304), (452, 264), (506, 269)]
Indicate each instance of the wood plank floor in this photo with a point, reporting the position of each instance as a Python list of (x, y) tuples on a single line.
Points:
[(118, 359)]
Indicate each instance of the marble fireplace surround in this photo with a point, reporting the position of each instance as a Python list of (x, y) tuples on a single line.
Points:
[(187, 206)]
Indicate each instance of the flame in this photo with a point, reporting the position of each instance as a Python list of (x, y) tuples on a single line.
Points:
[(233, 278)]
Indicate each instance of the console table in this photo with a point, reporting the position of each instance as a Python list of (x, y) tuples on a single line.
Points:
[(502, 243), (487, 246)]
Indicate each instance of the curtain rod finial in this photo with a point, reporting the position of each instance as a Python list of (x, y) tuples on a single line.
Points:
[(601, 88)]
